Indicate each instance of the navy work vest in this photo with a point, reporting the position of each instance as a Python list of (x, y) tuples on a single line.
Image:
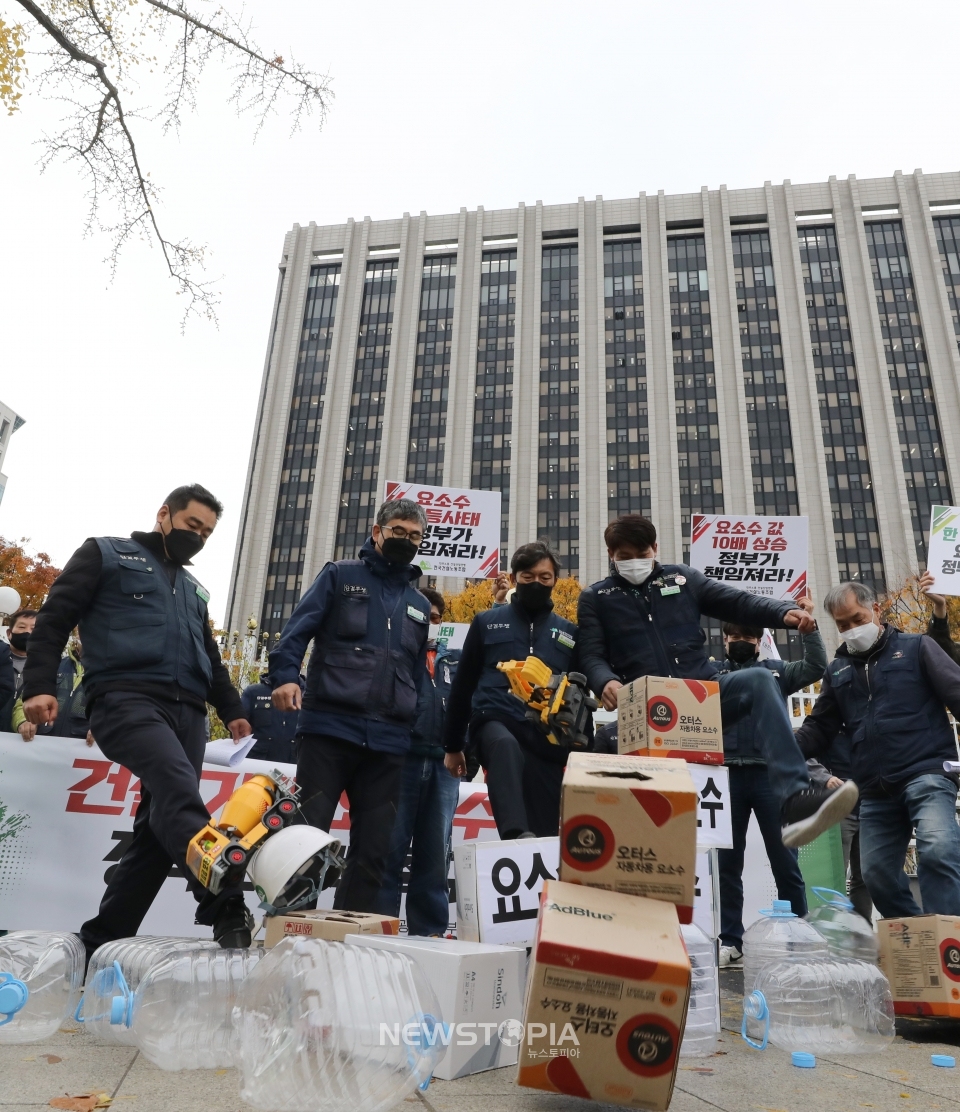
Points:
[(363, 658), (898, 727), (509, 633), (139, 628), (269, 724)]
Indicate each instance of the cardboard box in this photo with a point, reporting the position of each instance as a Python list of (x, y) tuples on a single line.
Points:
[(606, 998), (629, 824), (479, 988), (670, 718), (499, 886), (920, 957), (334, 926)]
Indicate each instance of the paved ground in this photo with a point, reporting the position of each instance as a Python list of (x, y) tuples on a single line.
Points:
[(737, 1079)]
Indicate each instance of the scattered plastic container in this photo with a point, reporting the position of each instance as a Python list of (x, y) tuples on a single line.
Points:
[(802, 1060), (182, 1012), (778, 936), (342, 1028), (114, 972), (703, 1015), (847, 934), (40, 977), (835, 1006)]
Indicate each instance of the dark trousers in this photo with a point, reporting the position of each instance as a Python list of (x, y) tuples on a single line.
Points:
[(273, 749), (327, 767), (850, 838), (163, 744), (524, 787), (750, 790)]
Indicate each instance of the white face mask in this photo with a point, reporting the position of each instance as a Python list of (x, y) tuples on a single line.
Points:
[(861, 638), (635, 571)]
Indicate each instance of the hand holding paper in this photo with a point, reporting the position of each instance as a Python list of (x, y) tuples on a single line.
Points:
[(224, 751)]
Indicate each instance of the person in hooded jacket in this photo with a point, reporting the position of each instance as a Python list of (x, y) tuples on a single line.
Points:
[(888, 691), (369, 626), (524, 769)]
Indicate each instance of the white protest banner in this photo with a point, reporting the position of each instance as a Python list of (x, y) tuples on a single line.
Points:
[(454, 633), (713, 807), (706, 895), (463, 529), (763, 555), (943, 551), (66, 816)]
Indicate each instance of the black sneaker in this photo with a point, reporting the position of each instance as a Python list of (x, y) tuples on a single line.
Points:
[(807, 813), (233, 928)]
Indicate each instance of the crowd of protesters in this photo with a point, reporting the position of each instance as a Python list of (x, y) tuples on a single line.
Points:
[(388, 715)]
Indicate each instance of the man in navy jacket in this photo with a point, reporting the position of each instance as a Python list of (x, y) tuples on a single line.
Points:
[(368, 623), (887, 690), (644, 620)]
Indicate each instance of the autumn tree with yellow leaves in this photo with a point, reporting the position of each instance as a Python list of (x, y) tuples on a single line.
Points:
[(478, 596)]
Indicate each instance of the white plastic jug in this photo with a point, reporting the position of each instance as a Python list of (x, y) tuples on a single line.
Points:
[(837, 1007), (847, 934), (777, 936), (40, 977), (334, 1027), (115, 970), (182, 1013), (703, 1014)]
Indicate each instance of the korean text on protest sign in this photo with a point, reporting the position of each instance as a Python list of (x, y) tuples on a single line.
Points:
[(763, 555)]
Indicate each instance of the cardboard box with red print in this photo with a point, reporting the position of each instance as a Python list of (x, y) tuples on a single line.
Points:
[(920, 957), (659, 717)]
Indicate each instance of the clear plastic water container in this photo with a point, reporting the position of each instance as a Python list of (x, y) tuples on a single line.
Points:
[(703, 1015), (40, 977), (342, 1028), (778, 935), (838, 1006), (847, 934), (182, 1012), (115, 970)]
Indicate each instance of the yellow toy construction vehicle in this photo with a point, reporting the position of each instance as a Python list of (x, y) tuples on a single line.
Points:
[(559, 703)]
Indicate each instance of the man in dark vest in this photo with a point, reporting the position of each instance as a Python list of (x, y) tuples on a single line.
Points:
[(887, 690), (369, 625), (274, 729), (524, 769), (644, 620), (150, 667)]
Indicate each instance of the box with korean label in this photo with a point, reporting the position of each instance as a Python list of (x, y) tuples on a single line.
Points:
[(920, 957), (629, 824), (334, 926), (606, 998), (659, 717), (499, 885)]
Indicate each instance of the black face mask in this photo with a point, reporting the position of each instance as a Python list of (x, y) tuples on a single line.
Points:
[(182, 544), (19, 641), (740, 652), (398, 550), (533, 597)]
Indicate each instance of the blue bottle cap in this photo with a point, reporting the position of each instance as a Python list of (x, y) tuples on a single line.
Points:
[(946, 1060), (804, 1060)]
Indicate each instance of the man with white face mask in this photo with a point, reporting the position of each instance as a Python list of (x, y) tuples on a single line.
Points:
[(644, 620), (887, 690)]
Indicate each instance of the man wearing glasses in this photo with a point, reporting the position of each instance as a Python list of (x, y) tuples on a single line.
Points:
[(369, 625)]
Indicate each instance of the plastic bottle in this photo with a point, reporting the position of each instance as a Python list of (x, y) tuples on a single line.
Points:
[(182, 1014), (114, 972), (847, 934), (838, 1006), (40, 977), (776, 936), (703, 1014), (342, 1028)]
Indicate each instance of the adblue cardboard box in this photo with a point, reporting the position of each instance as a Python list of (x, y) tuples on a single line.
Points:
[(659, 717), (334, 926), (920, 957), (629, 824), (606, 998)]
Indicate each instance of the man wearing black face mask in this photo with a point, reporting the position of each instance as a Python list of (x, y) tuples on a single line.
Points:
[(369, 626), (150, 667), (524, 770), (750, 788)]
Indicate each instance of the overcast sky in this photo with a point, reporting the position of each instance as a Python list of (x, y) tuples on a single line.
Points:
[(437, 105)]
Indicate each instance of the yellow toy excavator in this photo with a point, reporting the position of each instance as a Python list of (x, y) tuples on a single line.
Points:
[(559, 703)]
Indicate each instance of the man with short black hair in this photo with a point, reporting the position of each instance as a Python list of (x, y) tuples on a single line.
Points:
[(369, 626), (19, 628), (524, 770), (150, 667), (644, 620)]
